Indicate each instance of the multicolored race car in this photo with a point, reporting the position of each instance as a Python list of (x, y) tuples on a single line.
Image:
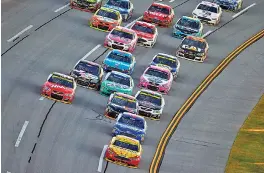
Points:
[(147, 33), (193, 48), (125, 7), (151, 104), (105, 19), (117, 82), (160, 14), (88, 74), (118, 60), (187, 26), (230, 5), (124, 151), (167, 61), (119, 103), (208, 12), (121, 38), (59, 87), (130, 125), (86, 5), (156, 78)]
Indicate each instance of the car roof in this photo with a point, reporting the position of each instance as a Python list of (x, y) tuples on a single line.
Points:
[(159, 68), (120, 73), (125, 29), (121, 52), (125, 95), (161, 5), (209, 3), (63, 75), (151, 92)]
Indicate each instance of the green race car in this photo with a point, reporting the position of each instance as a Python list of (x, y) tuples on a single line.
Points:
[(117, 82)]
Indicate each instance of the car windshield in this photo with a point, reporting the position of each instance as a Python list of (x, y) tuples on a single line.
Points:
[(120, 57), (107, 14), (126, 145), (144, 29), (122, 101), (143, 96), (60, 80), (118, 3), (128, 120), (189, 23), (159, 9), (123, 80), (207, 8), (195, 43), (122, 34), (157, 73), (160, 59), (88, 68)]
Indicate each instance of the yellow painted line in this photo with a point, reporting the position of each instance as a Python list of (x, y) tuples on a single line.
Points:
[(157, 159), (253, 130)]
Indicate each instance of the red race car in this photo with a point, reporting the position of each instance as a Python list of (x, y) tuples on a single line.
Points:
[(59, 87), (147, 33), (159, 14)]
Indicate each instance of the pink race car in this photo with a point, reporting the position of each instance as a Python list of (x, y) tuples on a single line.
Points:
[(121, 38), (156, 79)]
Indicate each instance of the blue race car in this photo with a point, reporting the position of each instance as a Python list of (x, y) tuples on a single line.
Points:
[(167, 61), (125, 7), (231, 5), (130, 125), (187, 26), (121, 61)]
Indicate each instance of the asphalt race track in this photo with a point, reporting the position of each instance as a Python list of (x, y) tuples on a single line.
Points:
[(62, 138)]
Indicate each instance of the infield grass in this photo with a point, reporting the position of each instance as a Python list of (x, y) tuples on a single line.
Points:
[(247, 153)]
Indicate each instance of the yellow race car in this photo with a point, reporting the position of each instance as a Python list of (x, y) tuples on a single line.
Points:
[(105, 19), (124, 151)]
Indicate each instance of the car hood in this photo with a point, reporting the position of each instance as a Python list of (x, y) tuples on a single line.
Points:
[(192, 48), (157, 15), (83, 74), (149, 105), (155, 79), (120, 39), (144, 35), (116, 64), (123, 152), (206, 14), (59, 88), (121, 109), (128, 129)]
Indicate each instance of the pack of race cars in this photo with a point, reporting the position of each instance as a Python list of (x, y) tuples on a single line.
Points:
[(129, 111)]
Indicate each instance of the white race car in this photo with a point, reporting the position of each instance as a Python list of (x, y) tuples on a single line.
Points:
[(208, 12)]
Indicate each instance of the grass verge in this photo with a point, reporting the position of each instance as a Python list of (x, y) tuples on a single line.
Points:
[(247, 153)]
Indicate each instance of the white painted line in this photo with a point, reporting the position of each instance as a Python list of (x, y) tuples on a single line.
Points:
[(242, 11), (207, 33), (21, 32), (89, 53), (59, 9), (41, 98), (100, 166), (131, 23), (8, 172), (171, 0), (21, 133)]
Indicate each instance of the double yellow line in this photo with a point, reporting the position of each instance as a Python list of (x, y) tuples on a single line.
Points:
[(157, 159)]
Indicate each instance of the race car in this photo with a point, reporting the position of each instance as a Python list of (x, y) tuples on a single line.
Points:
[(167, 61), (230, 5), (208, 12), (151, 104), (193, 48), (130, 125), (105, 19), (119, 61), (156, 79), (119, 103), (187, 26), (86, 5), (121, 38), (117, 82), (59, 87), (88, 74), (124, 151), (147, 33), (125, 7), (159, 14)]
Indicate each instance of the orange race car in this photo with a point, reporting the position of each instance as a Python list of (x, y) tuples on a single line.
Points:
[(105, 19), (193, 48)]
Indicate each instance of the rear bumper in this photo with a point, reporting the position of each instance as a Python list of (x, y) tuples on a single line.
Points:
[(128, 163)]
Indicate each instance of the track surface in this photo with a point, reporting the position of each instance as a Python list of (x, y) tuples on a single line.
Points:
[(73, 136)]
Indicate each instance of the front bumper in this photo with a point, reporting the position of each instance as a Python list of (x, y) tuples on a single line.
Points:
[(118, 45), (58, 98), (145, 42), (86, 83), (111, 114), (189, 56), (108, 69), (206, 20), (102, 26), (85, 6), (154, 87), (121, 160)]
